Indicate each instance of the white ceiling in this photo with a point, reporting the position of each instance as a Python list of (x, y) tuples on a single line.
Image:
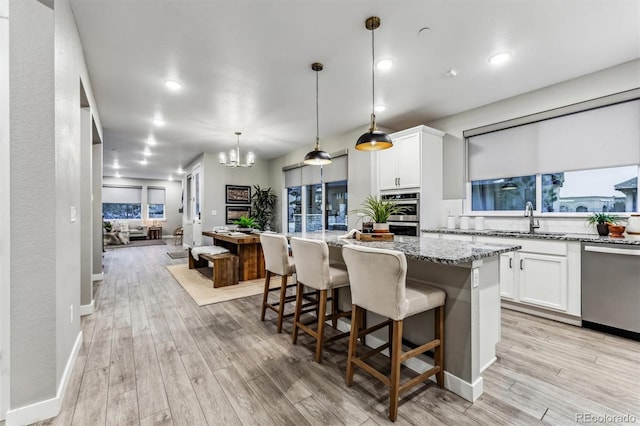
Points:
[(245, 66)]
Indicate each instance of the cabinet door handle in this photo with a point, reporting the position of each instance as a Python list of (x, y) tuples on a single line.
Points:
[(521, 260), (511, 263)]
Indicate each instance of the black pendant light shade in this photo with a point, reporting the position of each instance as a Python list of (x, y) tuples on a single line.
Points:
[(374, 139), (509, 186), (317, 157)]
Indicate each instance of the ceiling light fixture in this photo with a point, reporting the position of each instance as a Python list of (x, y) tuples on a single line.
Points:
[(380, 108), (143, 162), (170, 178), (146, 151), (374, 139), (151, 141), (234, 157), (158, 122), (451, 73), (118, 174), (317, 157), (173, 85), (384, 64), (499, 58), (180, 171), (509, 186), (116, 165)]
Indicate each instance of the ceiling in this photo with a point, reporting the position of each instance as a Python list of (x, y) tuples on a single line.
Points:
[(245, 65)]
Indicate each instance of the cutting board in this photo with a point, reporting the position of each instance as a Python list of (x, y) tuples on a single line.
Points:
[(380, 236)]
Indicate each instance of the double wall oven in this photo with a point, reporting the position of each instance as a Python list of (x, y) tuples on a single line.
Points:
[(407, 223)]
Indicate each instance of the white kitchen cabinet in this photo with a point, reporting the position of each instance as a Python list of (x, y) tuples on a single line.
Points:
[(507, 276), (399, 166), (542, 280)]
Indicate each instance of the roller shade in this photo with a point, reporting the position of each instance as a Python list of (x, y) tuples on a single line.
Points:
[(156, 196), (122, 194), (311, 175), (337, 170), (293, 177), (599, 138)]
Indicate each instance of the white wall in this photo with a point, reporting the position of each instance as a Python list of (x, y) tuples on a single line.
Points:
[(5, 219), (173, 190), (606, 82)]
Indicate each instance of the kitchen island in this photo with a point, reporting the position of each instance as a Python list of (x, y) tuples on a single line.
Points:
[(469, 274)]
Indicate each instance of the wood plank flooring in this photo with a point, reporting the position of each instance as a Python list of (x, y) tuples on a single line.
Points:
[(151, 356)]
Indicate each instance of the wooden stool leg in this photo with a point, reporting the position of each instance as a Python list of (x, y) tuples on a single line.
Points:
[(353, 341), (296, 316), (283, 294), (396, 352), (265, 295), (439, 351), (322, 309), (334, 307)]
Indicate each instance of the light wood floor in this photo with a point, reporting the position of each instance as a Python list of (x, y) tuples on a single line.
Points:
[(152, 356)]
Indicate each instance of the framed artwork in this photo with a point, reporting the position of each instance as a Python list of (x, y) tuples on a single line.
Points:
[(236, 212), (237, 194)]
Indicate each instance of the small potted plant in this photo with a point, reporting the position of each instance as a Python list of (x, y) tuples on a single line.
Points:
[(379, 211), (246, 224), (601, 220)]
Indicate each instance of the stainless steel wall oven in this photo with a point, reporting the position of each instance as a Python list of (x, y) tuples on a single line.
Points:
[(408, 222)]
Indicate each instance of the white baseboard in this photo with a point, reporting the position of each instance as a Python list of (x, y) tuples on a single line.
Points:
[(51, 407), (468, 391), (87, 309), (97, 277)]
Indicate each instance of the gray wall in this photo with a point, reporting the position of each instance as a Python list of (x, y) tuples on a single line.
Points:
[(33, 192), (172, 198), (85, 209), (96, 184)]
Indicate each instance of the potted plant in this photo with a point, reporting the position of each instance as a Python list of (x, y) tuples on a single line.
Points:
[(263, 205), (107, 226), (379, 211), (245, 223), (602, 221)]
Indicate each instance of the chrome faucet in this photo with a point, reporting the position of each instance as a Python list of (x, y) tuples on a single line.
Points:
[(528, 211)]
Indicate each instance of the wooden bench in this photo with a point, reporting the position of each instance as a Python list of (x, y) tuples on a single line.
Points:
[(225, 267)]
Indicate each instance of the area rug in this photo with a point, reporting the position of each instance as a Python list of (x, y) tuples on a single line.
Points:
[(197, 282), (137, 243), (178, 254)]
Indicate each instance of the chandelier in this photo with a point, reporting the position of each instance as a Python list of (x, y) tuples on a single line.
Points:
[(234, 156)]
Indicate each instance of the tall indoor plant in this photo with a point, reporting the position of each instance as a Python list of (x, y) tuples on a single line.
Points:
[(379, 211), (263, 204)]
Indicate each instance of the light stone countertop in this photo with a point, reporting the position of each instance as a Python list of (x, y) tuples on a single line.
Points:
[(557, 236), (426, 249)]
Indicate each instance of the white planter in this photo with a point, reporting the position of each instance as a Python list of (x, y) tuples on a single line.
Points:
[(380, 227)]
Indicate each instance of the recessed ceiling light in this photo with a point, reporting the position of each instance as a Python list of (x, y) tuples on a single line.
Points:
[(181, 171), (143, 162), (146, 151), (384, 64), (118, 174), (499, 58), (170, 178), (151, 141), (451, 73), (173, 84), (379, 107), (116, 165), (158, 122)]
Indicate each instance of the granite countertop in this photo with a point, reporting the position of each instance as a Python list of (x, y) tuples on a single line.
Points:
[(427, 249), (557, 236)]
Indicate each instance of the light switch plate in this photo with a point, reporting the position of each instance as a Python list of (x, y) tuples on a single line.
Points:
[(73, 214), (214, 212)]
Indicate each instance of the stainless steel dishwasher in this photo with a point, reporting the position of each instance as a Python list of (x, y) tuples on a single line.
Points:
[(611, 288)]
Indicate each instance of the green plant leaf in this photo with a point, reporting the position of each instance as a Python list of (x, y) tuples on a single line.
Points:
[(379, 210)]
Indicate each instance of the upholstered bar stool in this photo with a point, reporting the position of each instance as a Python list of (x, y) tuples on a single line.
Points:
[(313, 270), (378, 284), (277, 262)]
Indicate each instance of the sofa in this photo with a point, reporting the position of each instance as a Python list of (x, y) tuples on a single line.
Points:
[(123, 231)]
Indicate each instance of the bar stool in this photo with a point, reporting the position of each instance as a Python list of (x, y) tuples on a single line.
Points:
[(277, 262), (313, 270), (378, 284)]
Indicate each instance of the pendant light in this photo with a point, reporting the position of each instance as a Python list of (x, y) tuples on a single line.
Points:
[(374, 139), (317, 157), (234, 157)]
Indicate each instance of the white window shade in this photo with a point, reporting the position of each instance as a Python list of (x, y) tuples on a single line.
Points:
[(599, 138), (122, 194), (336, 171), (311, 175), (156, 196), (293, 177)]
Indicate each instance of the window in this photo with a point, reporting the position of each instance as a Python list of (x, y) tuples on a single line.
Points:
[(294, 209), (155, 203), (612, 189), (313, 207), (503, 194), (122, 202), (336, 206)]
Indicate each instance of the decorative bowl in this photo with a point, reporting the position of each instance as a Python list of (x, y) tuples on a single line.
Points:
[(616, 230)]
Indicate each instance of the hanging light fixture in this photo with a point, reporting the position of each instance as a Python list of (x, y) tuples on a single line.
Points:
[(374, 139), (317, 157), (234, 157), (509, 186)]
